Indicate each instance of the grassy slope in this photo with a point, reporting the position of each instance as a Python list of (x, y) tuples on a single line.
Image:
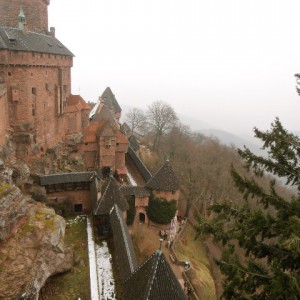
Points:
[(189, 249), (73, 284)]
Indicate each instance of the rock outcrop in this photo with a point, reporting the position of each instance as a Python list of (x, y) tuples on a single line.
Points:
[(31, 245)]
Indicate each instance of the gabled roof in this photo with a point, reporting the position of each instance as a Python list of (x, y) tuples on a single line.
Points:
[(121, 138), (110, 100), (103, 113), (153, 280), (101, 118), (133, 142), (110, 195), (164, 179), (138, 191), (67, 178), (126, 258), (19, 40), (76, 103)]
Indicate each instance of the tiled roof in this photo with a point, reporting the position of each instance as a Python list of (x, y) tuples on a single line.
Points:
[(111, 100), (76, 103), (126, 258), (138, 191), (19, 40), (133, 142), (164, 179), (153, 280), (89, 133), (110, 195), (121, 138), (67, 178)]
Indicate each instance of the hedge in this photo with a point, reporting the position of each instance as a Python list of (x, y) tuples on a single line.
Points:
[(161, 211)]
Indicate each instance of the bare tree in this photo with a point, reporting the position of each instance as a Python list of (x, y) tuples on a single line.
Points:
[(161, 118), (135, 119)]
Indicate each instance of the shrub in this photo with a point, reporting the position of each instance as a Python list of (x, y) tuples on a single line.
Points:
[(161, 211)]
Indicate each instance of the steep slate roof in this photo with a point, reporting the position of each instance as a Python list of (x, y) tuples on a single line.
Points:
[(164, 179), (102, 112), (127, 262), (138, 191), (111, 100), (125, 128), (139, 164), (19, 40), (110, 195), (67, 178), (153, 280), (133, 142)]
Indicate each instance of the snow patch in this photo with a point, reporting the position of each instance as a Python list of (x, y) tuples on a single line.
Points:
[(131, 179), (101, 274)]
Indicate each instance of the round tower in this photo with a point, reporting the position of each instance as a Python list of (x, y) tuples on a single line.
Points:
[(35, 11)]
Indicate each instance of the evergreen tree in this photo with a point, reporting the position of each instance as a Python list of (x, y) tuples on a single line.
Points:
[(261, 236)]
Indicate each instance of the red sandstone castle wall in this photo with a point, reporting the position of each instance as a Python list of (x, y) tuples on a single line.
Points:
[(38, 86), (75, 197), (36, 13), (3, 114)]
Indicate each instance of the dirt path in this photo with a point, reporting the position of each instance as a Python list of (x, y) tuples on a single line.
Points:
[(146, 241)]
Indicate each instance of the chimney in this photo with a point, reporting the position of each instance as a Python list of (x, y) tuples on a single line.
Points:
[(52, 31)]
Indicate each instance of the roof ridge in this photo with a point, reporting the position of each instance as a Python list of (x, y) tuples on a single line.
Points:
[(150, 283), (102, 196), (124, 234)]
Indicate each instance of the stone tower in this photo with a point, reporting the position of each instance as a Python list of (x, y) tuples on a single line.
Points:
[(36, 12)]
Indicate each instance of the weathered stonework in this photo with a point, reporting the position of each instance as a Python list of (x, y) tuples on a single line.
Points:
[(3, 113), (36, 12)]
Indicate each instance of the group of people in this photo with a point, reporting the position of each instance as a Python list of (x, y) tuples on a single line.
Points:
[(187, 289), (163, 234)]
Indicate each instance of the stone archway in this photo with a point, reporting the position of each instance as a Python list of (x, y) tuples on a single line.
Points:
[(142, 217)]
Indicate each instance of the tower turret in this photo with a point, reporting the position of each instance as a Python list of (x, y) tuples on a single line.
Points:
[(22, 19), (36, 12)]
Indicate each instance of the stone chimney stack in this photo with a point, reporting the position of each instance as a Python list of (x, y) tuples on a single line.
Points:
[(52, 31)]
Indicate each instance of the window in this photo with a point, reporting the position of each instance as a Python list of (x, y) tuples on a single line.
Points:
[(107, 143), (9, 74), (78, 208), (33, 91)]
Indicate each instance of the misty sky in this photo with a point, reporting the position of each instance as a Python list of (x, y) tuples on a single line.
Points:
[(228, 63)]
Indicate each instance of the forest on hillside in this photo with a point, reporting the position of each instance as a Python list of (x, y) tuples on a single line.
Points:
[(248, 204)]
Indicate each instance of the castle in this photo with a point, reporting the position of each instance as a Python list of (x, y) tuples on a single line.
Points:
[(38, 113), (37, 107)]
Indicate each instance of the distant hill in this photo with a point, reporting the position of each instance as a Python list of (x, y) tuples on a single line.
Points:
[(232, 140)]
